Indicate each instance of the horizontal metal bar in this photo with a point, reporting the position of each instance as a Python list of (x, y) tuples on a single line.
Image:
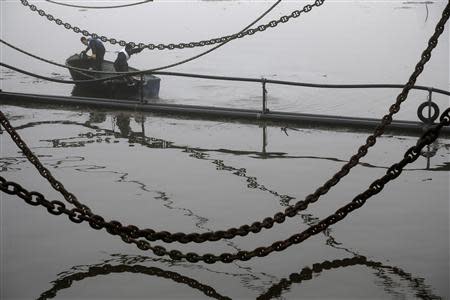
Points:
[(243, 79), (303, 120), (303, 84)]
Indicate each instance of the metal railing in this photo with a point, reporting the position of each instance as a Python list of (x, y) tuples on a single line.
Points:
[(264, 81)]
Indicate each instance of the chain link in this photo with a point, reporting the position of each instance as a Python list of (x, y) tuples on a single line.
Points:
[(182, 45), (279, 217), (83, 213), (58, 186), (129, 233)]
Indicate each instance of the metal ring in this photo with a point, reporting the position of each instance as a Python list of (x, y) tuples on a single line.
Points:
[(433, 117)]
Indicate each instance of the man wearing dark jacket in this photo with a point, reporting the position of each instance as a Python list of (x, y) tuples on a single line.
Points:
[(97, 48), (121, 62)]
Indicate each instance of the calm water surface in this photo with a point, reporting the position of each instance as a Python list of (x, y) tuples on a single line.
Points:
[(178, 174)]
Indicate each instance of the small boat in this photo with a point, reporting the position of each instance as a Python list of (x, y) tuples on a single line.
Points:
[(142, 87)]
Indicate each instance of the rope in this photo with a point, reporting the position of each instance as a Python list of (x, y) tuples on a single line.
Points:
[(226, 78), (99, 7), (78, 70), (53, 79)]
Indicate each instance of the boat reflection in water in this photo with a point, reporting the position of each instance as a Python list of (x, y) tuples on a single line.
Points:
[(135, 88)]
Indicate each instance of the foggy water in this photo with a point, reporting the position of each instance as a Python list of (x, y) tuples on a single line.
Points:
[(179, 174)]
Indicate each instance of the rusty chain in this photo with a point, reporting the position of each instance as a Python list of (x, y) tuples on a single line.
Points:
[(57, 185), (171, 46), (129, 234), (280, 217)]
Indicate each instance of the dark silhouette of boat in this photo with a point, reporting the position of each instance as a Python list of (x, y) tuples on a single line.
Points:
[(133, 87)]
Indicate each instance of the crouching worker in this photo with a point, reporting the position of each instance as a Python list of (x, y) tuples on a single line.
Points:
[(97, 48), (121, 62)]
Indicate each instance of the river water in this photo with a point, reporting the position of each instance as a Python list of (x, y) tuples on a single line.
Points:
[(180, 174)]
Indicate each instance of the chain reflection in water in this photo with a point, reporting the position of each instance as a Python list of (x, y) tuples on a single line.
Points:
[(130, 233), (128, 264), (417, 285)]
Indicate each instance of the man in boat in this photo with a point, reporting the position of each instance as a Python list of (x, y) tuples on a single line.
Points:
[(97, 48), (121, 62)]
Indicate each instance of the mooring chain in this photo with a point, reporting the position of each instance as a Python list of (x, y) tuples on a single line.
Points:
[(134, 72), (291, 211), (106, 269), (279, 217), (171, 46), (386, 119), (129, 234), (57, 185)]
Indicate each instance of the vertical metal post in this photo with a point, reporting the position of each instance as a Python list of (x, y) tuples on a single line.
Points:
[(264, 141), (428, 157), (141, 87), (142, 119), (430, 92), (264, 98)]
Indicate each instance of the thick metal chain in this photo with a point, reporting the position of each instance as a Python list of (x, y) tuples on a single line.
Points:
[(279, 217), (57, 185), (148, 70), (129, 234), (171, 46), (245, 229), (106, 269)]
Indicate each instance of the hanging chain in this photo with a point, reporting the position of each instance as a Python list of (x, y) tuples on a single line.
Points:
[(280, 217), (57, 185), (295, 14), (129, 233)]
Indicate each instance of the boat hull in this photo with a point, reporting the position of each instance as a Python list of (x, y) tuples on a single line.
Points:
[(146, 88)]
